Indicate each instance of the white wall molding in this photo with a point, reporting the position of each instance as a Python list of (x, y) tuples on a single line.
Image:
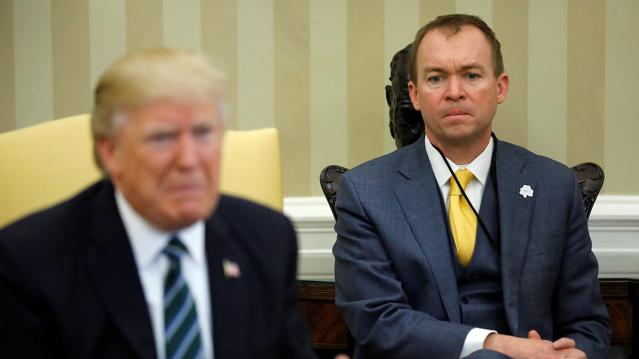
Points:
[(614, 229), (313, 223)]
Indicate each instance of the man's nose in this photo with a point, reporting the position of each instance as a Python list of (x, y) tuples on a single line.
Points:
[(186, 151), (455, 89)]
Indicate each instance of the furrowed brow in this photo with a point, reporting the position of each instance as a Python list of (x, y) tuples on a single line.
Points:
[(472, 66), (430, 69)]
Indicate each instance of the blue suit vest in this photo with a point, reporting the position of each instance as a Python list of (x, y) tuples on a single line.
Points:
[(479, 285)]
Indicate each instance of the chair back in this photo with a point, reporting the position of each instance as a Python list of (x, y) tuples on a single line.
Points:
[(43, 164), (329, 177), (590, 178), (252, 166), (49, 162)]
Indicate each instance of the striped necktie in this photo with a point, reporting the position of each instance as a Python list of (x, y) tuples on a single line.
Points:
[(463, 222), (181, 329)]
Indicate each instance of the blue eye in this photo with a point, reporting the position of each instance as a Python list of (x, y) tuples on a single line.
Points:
[(435, 79), (473, 76)]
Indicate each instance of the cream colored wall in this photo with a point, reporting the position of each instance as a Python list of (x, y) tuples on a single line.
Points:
[(316, 70)]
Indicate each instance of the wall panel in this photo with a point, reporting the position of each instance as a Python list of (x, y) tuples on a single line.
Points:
[(328, 85), (621, 116), (255, 64), (7, 70), (510, 23), (316, 69), (107, 35), (181, 25), (547, 79), (481, 8), (219, 43), (71, 55), (292, 102), (33, 62), (430, 9), (366, 104), (586, 56), (144, 26)]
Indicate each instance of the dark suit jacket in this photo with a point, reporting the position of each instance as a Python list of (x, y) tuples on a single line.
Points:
[(395, 280), (69, 286)]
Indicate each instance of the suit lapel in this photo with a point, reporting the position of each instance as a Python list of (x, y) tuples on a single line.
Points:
[(515, 217), (112, 266), (229, 294), (420, 200)]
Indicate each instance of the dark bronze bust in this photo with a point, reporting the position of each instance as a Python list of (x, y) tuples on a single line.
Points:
[(406, 124)]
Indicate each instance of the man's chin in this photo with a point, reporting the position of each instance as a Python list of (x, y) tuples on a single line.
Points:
[(182, 221), (460, 135), (194, 213), (185, 215)]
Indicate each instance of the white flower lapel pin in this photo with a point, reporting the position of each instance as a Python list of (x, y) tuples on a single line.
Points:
[(231, 269), (526, 191)]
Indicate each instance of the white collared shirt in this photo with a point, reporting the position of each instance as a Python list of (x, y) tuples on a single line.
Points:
[(480, 167), (147, 243)]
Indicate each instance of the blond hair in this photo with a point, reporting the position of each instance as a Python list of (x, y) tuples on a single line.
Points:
[(153, 74)]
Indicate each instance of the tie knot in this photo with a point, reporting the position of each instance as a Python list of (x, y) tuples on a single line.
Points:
[(464, 176), (175, 249)]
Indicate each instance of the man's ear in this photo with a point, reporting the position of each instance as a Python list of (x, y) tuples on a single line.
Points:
[(414, 98), (502, 87), (107, 152)]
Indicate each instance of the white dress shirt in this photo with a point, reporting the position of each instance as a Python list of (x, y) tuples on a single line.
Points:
[(147, 243), (479, 167)]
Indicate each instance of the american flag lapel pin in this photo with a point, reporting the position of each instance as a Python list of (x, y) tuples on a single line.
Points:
[(231, 269)]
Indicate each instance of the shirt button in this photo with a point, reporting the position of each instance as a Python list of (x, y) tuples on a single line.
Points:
[(464, 300)]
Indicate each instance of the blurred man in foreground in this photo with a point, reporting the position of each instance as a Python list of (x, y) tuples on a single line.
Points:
[(152, 261)]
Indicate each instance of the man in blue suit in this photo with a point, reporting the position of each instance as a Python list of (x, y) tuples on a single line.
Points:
[(493, 262)]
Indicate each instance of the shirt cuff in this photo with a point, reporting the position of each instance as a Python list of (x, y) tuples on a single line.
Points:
[(474, 341)]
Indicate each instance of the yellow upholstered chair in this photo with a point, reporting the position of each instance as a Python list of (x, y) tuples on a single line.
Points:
[(46, 163), (252, 167)]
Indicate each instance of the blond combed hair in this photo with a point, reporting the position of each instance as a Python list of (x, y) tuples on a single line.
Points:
[(150, 75)]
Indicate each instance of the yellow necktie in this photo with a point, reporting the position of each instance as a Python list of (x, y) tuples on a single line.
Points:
[(463, 222)]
